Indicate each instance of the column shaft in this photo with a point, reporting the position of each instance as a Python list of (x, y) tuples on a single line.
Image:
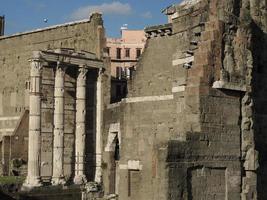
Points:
[(58, 145), (34, 149), (98, 172), (80, 131)]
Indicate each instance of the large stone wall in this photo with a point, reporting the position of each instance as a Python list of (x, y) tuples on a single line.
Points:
[(18, 49), (86, 35), (192, 125), (254, 108)]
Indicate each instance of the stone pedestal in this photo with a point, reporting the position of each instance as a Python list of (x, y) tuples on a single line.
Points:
[(58, 144), (34, 152), (80, 131), (98, 172)]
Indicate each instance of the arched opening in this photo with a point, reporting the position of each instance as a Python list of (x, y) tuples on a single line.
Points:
[(114, 170), (112, 155)]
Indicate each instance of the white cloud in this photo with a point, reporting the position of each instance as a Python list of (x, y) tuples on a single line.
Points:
[(147, 15), (114, 8)]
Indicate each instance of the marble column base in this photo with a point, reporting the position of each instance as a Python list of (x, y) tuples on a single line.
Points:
[(80, 179), (98, 175), (58, 181), (32, 182)]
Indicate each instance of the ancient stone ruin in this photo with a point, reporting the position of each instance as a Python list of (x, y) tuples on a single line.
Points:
[(60, 63), (192, 125)]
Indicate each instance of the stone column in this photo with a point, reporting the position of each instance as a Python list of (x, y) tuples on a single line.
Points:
[(34, 149), (58, 144), (80, 131), (98, 172)]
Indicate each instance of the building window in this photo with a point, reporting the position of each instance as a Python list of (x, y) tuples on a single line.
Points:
[(108, 51), (138, 53), (27, 85), (117, 149), (127, 53), (118, 53)]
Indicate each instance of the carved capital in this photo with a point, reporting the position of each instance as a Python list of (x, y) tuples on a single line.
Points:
[(61, 69), (82, 74), (36, 66), (100, 75), (101, 71)]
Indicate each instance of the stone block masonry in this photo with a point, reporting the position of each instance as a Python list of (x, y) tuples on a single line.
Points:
[(60, 59), (194, 115), (192, 125), (49, 81)]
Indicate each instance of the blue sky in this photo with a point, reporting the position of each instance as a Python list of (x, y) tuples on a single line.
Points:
[(24, 15)]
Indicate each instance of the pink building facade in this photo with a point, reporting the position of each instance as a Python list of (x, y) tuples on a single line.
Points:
[(125, 52)]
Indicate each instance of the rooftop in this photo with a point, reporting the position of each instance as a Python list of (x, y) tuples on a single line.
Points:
[(49, 27), (45, 29)]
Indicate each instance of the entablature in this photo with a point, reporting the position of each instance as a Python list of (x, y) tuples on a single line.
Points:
[(68, 57)]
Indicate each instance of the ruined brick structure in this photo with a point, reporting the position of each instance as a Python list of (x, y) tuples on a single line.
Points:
[(191, 127), (75, 46)]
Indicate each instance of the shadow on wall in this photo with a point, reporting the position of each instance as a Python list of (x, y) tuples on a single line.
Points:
[(90, 125), (259, 94)]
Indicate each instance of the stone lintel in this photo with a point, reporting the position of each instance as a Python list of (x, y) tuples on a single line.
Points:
[(148, 98), (69, 57), (177, 89), (229, 86), (184, 60), (132, 165)]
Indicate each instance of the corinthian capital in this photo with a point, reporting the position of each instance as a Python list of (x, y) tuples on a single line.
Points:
[(82, 73), (61, 69), (101, 71), (36, 66)]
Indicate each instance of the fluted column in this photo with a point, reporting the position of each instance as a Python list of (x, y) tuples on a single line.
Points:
[(98, 172), (58, 144), (34, 149), (80, 131)]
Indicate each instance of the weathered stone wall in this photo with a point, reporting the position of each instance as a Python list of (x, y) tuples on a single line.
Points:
[(201, 166), (229, 53), (150, 116), (256, 113), (112, 115), (143, 126), (193, 120), (18, 49), (14, 147), (156, 70), (193, 123), (87, 35)]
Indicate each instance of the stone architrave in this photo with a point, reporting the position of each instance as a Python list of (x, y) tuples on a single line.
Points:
[(58, 143), (34, 153), (80, 131), (98, 172)]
